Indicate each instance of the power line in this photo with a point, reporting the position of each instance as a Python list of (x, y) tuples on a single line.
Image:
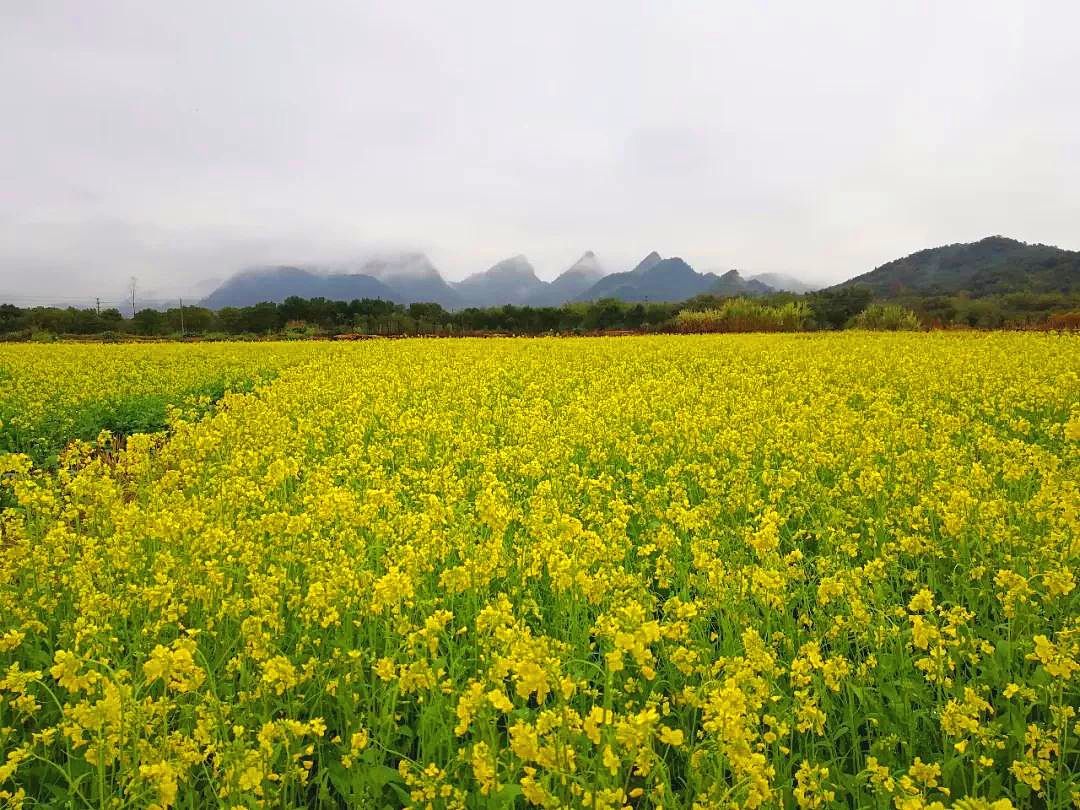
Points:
[(37, 297), (94, 302), (86, 303)]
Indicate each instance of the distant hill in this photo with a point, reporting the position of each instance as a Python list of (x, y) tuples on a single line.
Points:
[(275, 284), (571, 283), (784, 282), (413, 279), (511, 281), (646, 264), (731, 283), (991, 266), (652, 280), (514, 281), (657, 279), (409, 278), (404, 279)]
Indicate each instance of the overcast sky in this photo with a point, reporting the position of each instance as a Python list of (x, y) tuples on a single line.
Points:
[(179, 142)]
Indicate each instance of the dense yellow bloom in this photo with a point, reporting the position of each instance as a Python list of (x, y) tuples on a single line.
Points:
[(163, 776), (670, 736), (811, 789), (922, 602), (67, 671), (1058, 660), (279, 674), (175, 666), (662, 572)]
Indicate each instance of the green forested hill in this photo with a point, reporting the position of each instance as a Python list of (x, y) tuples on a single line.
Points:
[(992, 266)]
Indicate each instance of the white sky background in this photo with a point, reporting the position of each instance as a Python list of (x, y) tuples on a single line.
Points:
[(179, 142)]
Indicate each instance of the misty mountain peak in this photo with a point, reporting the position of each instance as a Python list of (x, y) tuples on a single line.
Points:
[(588, 264), (654, 279), (514, 266), (783, 281), (648, 263), (511, 281), (276, 283), (397, 266), (676, 264)]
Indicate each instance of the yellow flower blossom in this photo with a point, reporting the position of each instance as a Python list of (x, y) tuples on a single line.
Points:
[(664, 571)]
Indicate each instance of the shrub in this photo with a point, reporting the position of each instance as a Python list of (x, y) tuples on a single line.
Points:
[(745, 315), (887, 318)]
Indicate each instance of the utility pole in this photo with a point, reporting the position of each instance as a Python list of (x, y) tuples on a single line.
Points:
[(181, 317), (97, 306), (133, 282)]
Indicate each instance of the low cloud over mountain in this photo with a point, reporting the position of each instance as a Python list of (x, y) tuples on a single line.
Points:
[(411, 278)]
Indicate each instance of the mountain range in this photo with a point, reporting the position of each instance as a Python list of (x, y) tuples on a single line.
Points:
[(411, 278), (404, 278), (994, 265), (658, 279)]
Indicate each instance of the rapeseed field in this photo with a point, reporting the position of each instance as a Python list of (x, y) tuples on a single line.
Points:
[(51, 395), (672, 572)]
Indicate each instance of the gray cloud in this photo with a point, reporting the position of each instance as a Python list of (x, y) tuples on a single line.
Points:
[(181, 142)]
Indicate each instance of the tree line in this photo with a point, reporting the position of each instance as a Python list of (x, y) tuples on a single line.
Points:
[(835, 308)]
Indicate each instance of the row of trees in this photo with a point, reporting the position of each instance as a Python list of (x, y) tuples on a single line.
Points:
[(319, 316), (826, 309), (1010, 310)]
